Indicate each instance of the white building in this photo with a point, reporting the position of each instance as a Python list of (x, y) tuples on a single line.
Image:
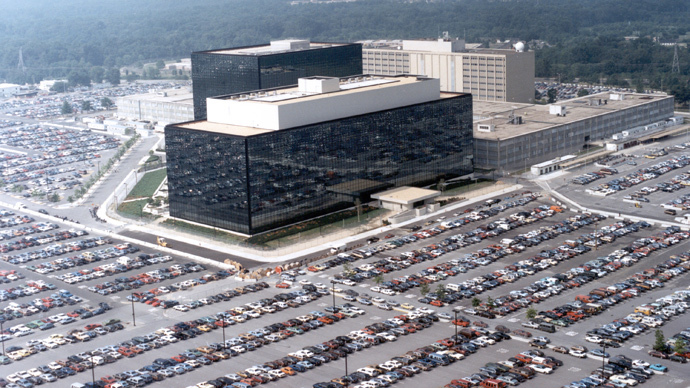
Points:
[(164, 107), (488, 74), (47, 84), (318, 99), (8, 90)]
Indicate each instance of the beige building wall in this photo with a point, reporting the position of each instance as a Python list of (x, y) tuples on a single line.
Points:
[(489, 75)]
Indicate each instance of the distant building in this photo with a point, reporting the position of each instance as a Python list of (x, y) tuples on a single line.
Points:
[(280, 63), (47, 84), (185, 64), (9, 90), (166, 106), (510, 137), (488, 74), (269, 158)]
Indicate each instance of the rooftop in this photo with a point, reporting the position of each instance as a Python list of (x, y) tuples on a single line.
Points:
[(181, 95), (432, 46), (275, 47), (537, 117), (406, 195), (314, 100)]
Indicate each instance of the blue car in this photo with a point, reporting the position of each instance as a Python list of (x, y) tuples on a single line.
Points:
[(658, 368), (599, 352)]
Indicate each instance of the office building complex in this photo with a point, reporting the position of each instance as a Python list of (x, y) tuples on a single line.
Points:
[(167, 106), (510, 137), (273, 157), (235, 70), (489, 75)]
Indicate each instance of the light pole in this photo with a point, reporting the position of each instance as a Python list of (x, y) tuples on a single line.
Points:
[(134, 318), (98, 172), (222, 317), (2, 332), (455, 322), (603, 357), (596, 236), (333, 293), (93, 372)]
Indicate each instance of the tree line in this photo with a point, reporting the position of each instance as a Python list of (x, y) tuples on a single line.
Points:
[(584, 38)]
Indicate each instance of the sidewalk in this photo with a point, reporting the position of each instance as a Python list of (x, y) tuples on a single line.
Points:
[(277, 257)]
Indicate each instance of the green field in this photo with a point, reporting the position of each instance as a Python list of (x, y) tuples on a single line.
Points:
[(132, 208), (147, 184)]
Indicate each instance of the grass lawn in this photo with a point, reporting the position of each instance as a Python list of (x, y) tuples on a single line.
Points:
[(202, 230), (132, 209), (148, 184)]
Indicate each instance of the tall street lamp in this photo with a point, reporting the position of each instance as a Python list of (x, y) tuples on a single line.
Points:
[(134, 317), (455, 322), (93, 372), (333, 293), (222, 317), (2, 332)]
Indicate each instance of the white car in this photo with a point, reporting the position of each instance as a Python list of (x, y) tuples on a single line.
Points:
[(578, 353), (540, 368), (623, 379), (640, 364), (593, 338)]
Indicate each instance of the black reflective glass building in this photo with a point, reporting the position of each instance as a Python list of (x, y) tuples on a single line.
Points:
[(251, 184), (226, 71)]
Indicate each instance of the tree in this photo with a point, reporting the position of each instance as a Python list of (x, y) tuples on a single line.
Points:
[(70, 199), (113, 76), (358, 206), (86, 105), (440, 291), (79, 77), (54, 197), (441, 185), (531, 313), (582, 93), (378, 279), (66, 108), (59, 87), (97, 74), (106, 103), (551, 95), (424, 289), (659, 341), (347, 270), (679, 346), (490, 301), (151, 72), (476, 302)]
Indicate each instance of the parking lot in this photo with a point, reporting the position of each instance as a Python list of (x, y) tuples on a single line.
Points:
[(47, 163), (652, 191), (96, 280)]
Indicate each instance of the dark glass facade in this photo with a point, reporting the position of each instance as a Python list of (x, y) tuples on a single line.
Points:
[(257, 183), (216, 74)]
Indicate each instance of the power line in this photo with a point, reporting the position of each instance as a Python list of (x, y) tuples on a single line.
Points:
[(675, 67), (20, 64)]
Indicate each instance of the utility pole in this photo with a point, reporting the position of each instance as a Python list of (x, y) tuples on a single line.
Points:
[(134, 318), (93, 373), (455, 339), (333, 293), (2, 332), (223, 326)]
